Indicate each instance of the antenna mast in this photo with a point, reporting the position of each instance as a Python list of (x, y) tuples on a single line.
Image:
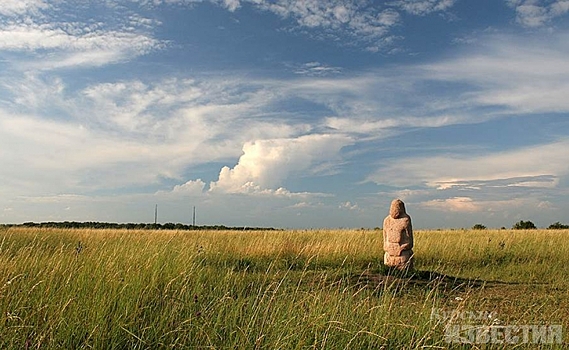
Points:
[(156, 214)]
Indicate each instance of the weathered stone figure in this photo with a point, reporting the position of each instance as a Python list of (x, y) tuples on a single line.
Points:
[(398, 237)]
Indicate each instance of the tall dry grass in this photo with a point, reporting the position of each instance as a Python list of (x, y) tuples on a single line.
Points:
[(273, 289)]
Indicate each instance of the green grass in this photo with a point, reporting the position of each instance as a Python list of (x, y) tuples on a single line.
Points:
[(315, 289)]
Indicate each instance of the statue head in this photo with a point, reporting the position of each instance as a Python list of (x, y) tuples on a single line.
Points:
[(397, 209)]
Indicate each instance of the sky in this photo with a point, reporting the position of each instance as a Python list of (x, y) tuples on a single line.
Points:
[(285, 113)]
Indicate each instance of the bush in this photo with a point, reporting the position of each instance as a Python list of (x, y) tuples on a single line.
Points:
[(558, 226), (478, 227), (524, 225)]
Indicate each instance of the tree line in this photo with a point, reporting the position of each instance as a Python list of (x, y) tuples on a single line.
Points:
[(527, 225), (134, 226)]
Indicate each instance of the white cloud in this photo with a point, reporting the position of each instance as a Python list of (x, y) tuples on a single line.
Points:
[(20, 7), (546, 205), (317, 69), (231, 5), (30, 91), (154, 3), (455, 204), (361, 21), (523, 74), (559, 8), (447, 171), (137, 134), (75, 46), (265, 164), (385, 127), (49, 156), (349, 206), (60, 198), (41, 35), (190, 112), (353, 18), (192, 187), (409, 194), (424, 7), (489, 207), (301, 205), (535, 181), (536, 13)]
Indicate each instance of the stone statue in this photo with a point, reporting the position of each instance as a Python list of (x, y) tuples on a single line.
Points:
[(398, 237)]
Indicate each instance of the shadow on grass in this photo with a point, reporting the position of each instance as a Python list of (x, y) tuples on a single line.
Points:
[(413, 279)]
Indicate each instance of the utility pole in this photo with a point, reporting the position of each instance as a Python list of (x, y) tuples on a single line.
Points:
[(194, 217), (156, 214)]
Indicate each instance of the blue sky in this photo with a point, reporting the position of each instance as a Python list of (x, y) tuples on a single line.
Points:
[(285, 113)]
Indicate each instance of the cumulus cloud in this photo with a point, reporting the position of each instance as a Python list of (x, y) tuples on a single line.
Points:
[(191, 187), (138, 133), (265, 164), (135, 133)]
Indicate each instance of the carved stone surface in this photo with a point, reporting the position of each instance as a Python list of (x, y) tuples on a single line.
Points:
[(398, 237)]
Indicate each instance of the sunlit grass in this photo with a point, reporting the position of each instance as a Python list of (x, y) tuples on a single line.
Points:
[(267, 289)]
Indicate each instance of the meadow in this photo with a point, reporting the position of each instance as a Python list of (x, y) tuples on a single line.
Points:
[(304, 289)]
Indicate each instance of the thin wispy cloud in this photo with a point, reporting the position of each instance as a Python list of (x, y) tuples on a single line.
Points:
[(354, 19), (457, 168), (36, 29), (372, 24), (505, 71), (317, 69), (424, 7)]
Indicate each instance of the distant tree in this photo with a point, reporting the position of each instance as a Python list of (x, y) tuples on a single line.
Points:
[(169, 226), (558, 226), (478, 227), (524, 225)]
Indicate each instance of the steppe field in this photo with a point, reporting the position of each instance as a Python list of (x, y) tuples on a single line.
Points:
[(305, 289)]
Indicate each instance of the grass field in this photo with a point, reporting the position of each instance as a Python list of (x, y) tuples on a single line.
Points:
[(314, 289)]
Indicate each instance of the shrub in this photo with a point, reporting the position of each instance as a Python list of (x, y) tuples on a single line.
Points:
[(524, 225), (558, 226), (479, 227)]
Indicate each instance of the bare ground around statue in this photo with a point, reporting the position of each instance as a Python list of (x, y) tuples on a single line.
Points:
[(426, 279)]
